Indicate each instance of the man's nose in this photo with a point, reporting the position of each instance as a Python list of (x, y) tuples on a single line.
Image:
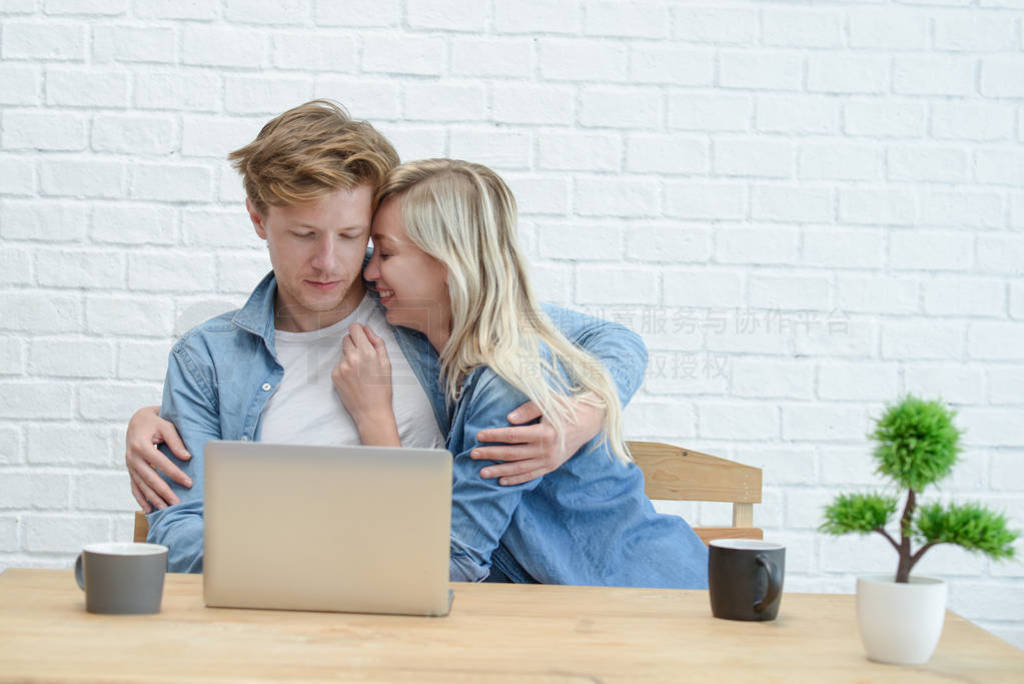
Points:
[(323, 257)]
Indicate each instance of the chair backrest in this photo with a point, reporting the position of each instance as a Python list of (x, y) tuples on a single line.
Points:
[(673, 473)]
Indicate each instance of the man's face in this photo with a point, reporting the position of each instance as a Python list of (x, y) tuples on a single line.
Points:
[(317, 251)]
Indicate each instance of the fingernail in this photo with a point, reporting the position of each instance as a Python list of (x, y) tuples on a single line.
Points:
[(485, 472), (514, 415), (188, 482), (475, 454)]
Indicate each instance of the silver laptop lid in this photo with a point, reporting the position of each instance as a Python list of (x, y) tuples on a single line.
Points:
[(356, 529)]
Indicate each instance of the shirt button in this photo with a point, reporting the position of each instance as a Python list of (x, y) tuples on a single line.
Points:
[(266, 387), (245, 438)]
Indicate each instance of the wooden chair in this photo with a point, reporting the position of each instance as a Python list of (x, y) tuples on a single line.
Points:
[(675, 474)]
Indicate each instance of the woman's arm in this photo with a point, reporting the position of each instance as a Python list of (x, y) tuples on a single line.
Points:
[(362, 379)]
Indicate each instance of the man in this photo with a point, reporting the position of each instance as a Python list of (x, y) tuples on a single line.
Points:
[(263, 372)]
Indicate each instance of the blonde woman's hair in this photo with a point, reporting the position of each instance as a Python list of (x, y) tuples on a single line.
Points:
[(310, 151), (464, 215)]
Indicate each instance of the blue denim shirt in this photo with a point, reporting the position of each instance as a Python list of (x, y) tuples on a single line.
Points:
[(221, 373)]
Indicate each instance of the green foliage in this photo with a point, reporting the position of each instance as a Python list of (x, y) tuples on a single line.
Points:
[(860, 513), (917, 442), (968, 525)]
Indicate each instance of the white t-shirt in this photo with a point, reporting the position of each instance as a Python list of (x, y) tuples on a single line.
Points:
[(306, 409)]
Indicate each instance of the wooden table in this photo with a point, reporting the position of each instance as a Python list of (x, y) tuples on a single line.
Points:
[(494, 633)]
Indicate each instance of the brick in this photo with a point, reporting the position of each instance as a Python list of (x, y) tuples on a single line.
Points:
[(512, 57), (616, 197), (615, 285), (1001, 253), (171, 183), (354, 13), (756, 157), (933, 75), (80, 269), (214, 228), (884, 118), (46, 131), (538, 16), (929, 249), (18, 6), (1005, 385), (801, 28), (737, 421), (445, 102), (119, 43), (540, 194), (47, 221), (715, 25), (11, 363), (1002, 77), (71, 358), (62, 534), (273, 12), (32, 400), (620, 107), (264, 95), (313, 52), (962, 209), (971, 121), (190, 91), (134, 135), (732, 340), (37, 491), (1000, 166), (703, 288), (136, 316), (415, 55), (667, 154), (956, 383), (848, 467), (974, 32), (15, 266), (189, 9), (579, 151), (104, 400), (74, 178), (104, 492), (100, 7), (416, 142), (132, 224), (634, 20), (649, 419), (576, 241), (498, 148), (39, 312), (674, 243), (694, 200), (671, 65), (142, 360), (837, 334), (877, 294), (372, 98), (805, 509), (839, 161), (758, 245), (991, 426), (840, 248), (21, 85), (582, 60), (877, 207), (1017, 300), (996, 340), (789, 292), (224, 47), (844, 73), (555, 281), (764, 379), (792, 203), (964, 297), (44, 40), (823, 422), (240, 273), (8, 533), (864, 381), (857, 554), (10, 445), (710, 112), (170, 272), (534, 104), (17, 176), (889, 29), (1007, 470), (760, 70), (447, 15), (918, 163), (804, 115), (922, 339)]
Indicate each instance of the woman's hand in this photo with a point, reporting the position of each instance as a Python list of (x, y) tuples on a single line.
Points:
[(362, 378), (533, 450), (146, 430)]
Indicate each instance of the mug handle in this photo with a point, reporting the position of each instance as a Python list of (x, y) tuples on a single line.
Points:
[(79, 572), (774, 583)]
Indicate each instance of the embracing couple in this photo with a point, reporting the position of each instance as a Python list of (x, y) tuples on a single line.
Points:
[(433, 339)]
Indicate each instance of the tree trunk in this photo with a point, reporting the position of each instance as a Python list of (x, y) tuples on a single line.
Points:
[(903, 569)]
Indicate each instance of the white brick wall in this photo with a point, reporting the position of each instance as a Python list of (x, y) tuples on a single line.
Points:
[(806, 209)]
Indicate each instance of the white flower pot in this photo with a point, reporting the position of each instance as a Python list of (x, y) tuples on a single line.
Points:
[(900, 623)]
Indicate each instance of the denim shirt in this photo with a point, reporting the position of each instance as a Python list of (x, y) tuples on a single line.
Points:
[(221, 374)]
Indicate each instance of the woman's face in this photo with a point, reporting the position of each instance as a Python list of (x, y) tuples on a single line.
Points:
[(411, 283)]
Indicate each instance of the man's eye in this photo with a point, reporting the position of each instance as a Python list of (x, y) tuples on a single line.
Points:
[(303, 235)]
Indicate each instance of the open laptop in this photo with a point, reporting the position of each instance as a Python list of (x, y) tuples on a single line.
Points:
[(353, 529)]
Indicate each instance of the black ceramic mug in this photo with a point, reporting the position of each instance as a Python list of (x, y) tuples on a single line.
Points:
[(745, 578), (122, 578)]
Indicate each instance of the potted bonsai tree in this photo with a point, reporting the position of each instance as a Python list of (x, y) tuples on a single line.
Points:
[(900, 616)]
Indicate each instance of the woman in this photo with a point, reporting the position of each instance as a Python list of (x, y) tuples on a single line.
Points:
[(446, 262)]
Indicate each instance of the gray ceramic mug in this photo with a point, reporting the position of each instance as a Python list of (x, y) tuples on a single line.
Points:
[(122, 578)]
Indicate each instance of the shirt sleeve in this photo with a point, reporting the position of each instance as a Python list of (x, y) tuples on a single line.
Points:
[(621, 350), (190, 403), (481, 508)]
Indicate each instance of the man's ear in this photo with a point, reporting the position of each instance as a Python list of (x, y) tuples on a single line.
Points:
[(256, 218)]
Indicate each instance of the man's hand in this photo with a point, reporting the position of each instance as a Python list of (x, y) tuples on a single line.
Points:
[(146, 430), (533, 450)]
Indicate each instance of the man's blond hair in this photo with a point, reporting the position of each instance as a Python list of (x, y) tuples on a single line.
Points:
[(310, 151)]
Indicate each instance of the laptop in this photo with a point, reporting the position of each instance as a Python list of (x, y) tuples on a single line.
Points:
[(352, 529)]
